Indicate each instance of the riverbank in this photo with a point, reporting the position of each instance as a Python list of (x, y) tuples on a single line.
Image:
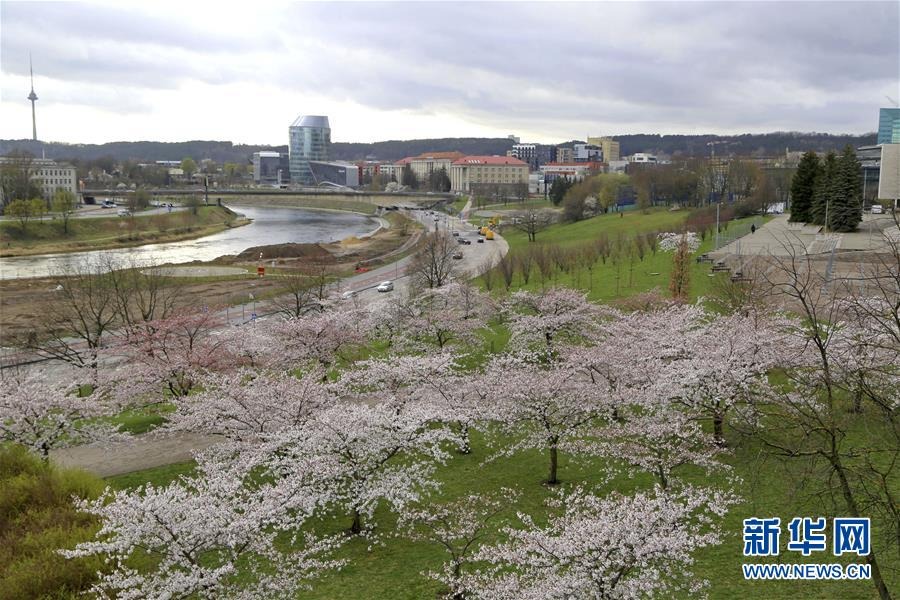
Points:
[(21, 300), (105, 233), (315, 202)]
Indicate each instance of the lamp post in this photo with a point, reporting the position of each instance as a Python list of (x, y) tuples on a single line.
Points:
[(717, 225)]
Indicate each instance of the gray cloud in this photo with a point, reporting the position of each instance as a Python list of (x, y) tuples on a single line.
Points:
[(723, 66)]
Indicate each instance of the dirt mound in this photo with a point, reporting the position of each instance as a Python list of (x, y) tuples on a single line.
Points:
[(314, 252)]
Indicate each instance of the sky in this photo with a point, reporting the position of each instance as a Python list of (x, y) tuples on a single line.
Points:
[(546, 72)]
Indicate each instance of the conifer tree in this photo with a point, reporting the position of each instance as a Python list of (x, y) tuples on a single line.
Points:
[(803, 188), (823, 196), (845, 212)]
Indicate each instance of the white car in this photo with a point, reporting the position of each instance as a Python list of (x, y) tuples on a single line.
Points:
[(385, 286), (348, 295), (124, 212), (877, 209)]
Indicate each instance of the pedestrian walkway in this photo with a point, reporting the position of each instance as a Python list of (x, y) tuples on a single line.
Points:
[(142, 452)]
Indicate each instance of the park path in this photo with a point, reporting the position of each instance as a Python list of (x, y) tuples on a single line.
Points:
[(155, 450), (141, 452)]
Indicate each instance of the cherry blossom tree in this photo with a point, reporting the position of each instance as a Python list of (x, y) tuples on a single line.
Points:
[(657, 442), (44, 412), (244, 405), (321, 338), (603, 547), (200, 534), (170, 354), (543, 321), (367, 453), (722, 362), (459, 527), (450, 314), (543, 408)]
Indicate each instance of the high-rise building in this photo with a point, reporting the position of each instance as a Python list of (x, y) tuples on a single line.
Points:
[(271, 168), (889, 126), (309, 139)]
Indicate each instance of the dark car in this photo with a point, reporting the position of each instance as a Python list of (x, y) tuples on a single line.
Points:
[(481, 240)]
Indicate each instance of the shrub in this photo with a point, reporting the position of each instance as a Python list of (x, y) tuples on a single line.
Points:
[(37, 518)]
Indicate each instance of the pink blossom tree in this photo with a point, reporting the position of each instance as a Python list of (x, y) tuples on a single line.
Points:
[(459, 527), (603, 547), (245, 405), (200, 534), (44, 413), (657, 442), (366, 453), (321, 338), (438, 317), (543, 408), (541, 322), (169, 355), (723, 360)]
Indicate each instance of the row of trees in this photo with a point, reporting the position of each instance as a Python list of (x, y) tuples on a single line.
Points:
[(828, 191)]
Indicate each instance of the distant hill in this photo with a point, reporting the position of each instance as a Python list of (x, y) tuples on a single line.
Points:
[(768, 144)]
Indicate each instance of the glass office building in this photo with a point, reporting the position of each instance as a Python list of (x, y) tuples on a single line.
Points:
[(310, 139), (889, 126)]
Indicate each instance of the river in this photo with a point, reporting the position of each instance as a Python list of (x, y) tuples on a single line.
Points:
[(269, 226)]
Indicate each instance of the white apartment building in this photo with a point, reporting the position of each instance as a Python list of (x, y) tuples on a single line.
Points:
[(493, 170), (52, 175)]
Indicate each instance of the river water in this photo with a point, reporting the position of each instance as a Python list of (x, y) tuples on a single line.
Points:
[(269, 226)]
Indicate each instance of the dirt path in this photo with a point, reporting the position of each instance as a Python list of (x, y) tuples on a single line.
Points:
[(143, 452)]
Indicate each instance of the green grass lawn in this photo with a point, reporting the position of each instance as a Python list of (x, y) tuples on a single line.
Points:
[(613, 279)]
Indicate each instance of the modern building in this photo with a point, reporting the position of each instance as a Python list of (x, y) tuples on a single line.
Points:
[(526, 153), (335, 174), (643, 158), (50, 174), (587, 153), (889, 181), (272, 168), (565, 155), (609, 148), (880, 174), (473, 171), (888, 126), (309, 140)]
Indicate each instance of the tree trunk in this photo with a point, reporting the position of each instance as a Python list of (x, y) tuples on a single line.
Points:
[(717, 429), (356, 527), (466, 446), (554, 462), (853, 509)]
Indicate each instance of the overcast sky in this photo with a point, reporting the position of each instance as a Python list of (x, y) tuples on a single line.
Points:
[(546, 72)]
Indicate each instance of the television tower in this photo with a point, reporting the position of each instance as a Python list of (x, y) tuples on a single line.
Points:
[(32, 96)]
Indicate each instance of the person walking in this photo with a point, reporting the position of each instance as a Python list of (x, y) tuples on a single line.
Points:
[(752, 228)]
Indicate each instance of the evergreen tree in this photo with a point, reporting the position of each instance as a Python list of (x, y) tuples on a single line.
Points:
[(408, 178), (558, 190), (823, 196), (845, 213), (803, 187)]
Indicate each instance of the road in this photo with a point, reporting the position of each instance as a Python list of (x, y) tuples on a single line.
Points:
[(148, 451)]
